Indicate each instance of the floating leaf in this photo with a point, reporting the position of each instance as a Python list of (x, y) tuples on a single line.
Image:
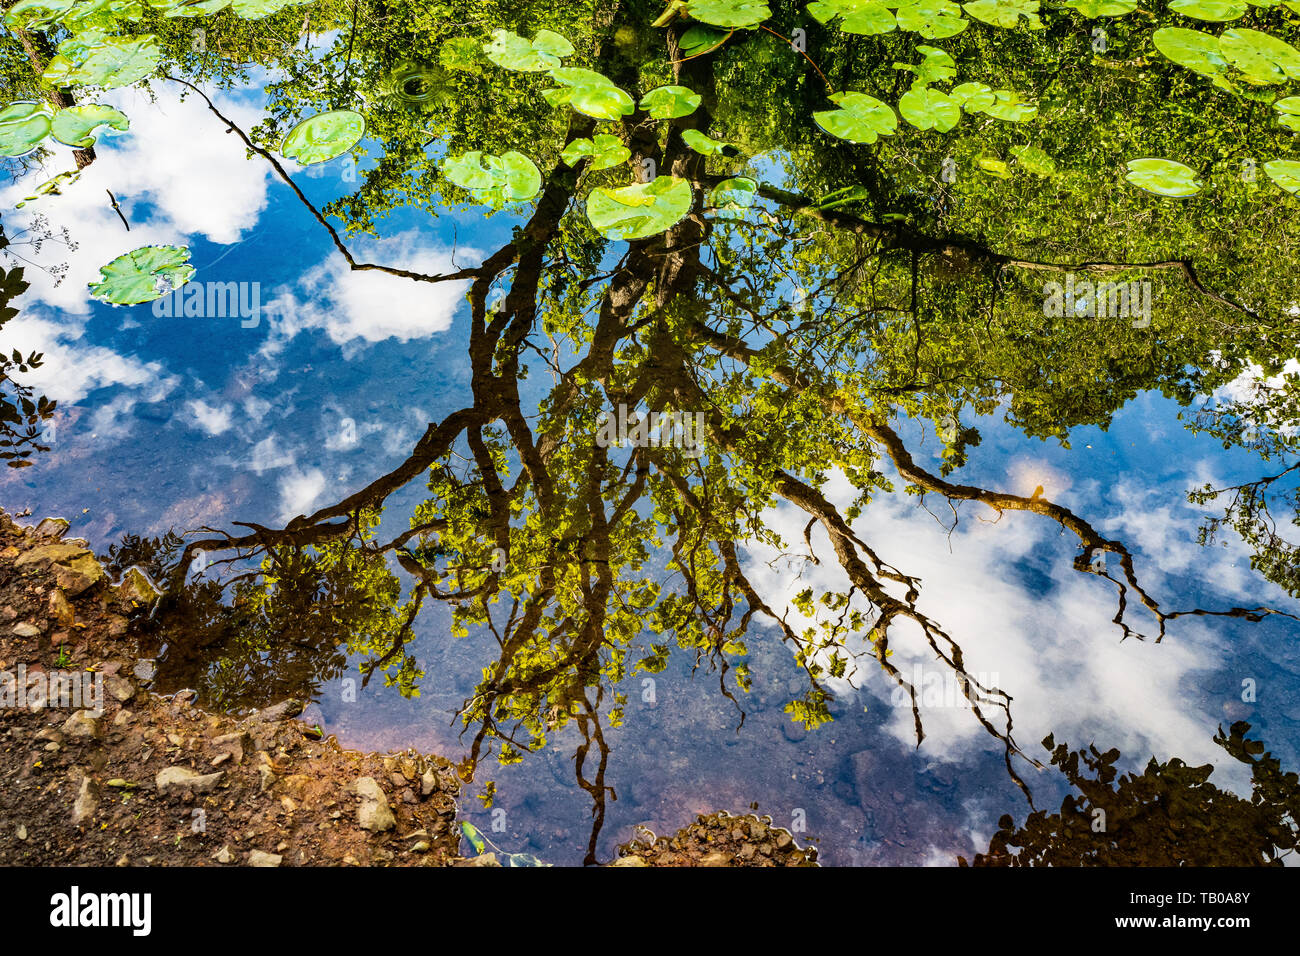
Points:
[(1034, 160), (196, 8), (324, 136), (699, 39), (859, 119), (512, 52), (641, 209), (495, 180), (731, 197), (1197, 51), (937, 67), (733, 14), (1289, 110), (475, 838), (605, 151), (257, 9), (933, 19), (1103, 8), (701, 143), (589, 92), (1263, 58), (994, 167), (1284, 172), (1215, 11), (865, 17), (23, 125), (51, 187), (36, 14), (974, 97), (143, 275), (76, 125), (101, 14), (94, 59), (1164, 177), (670, 102), (927, 108), (1005, 13), (1007, 105)]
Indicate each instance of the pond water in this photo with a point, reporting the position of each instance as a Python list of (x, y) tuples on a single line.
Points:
[(408, 472)]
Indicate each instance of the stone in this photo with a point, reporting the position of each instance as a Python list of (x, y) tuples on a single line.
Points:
[(428, 783), (26, 630), (53, 528), (60, 609), (223, 855), (182, 780), (81, 724), (43, 556), (421, 847), (144, 670), (136, 588), (22, 832), (483, 859), (121, 688), (629, 861), (716, 858), (117, 625), (87, 802), (286, 708), (374, 814), (78, 575), (259, 858)]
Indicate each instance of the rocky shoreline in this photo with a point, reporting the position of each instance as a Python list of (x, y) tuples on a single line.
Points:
[(95, 770)]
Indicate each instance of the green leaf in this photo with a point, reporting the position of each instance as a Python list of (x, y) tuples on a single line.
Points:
[(1005, 13), (512, 52), (1197, 51), (1103, 8), (589, 92), (605, 151), (933, 19), (1034, 160), (994, 167), (641, 209), (859, 119), (1007, 105), (927, 108), (670, 102), (258, 9), (475, 838), (196, 8), (699, 39), (1213, 10), (495, 180), (733, 14), (1263, 58), (703, 144), (101, 14), (143, 275), (324, 136), (731, 197), (1284, 172), (23, 125), (1164, 177), (36, 14), (51, 187), (865, 17), (1289, 110), (937, 67), (76, 125), (974, 97), (94, 59)]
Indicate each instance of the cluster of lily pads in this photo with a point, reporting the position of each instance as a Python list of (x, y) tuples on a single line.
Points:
[(1165, 177), (25, 124), (79, 16)]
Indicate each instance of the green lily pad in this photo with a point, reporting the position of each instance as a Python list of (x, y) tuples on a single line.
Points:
[(1103, 8), (699, 40), (196, 8), (641, 209), (101, 14), (1284, 172), (461, 53), (324, 136), (864, 17), (731, 197), (76, 125), (994, 167), (703, 144), (1216, 11), (1007, 105), (859, 119), (259, 9), (1289, 112), (1034, 160), (23, 126), (1197, 51), (670, 102), (512, 52), (51, 187), (937, 67), (1005, 13), (589, 92), (495, 180), (604, 151), (974, 97), (36, 14), (1264, 59), (928, 108), (95, 59), (933, 19), (1164, 177), (143, 275), (732, 14)]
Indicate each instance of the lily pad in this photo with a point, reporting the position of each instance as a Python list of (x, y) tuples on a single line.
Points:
[(937, 67), (732, 14), (23, 126), (512, 52), (1007, 105), (196, 8), (670, 102), (641, 209), (589, 92), (324, 136), (699, 40), (604, 151), (1164, 177), (1103, 8), (731, 197), (95, 59), (258, 9), (1289, 112), (143, 275), (1005, 13), (864, 17), (859, 119), (703, 144), (101, 14), (1264, 59), (1284, 172), (76, 126), (51, 187), (994, 167), (974, 97), (495, 180), (933, 19), (1197, 51), (1216, 11), (927, 108), (36, 14), (1034, 160)]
